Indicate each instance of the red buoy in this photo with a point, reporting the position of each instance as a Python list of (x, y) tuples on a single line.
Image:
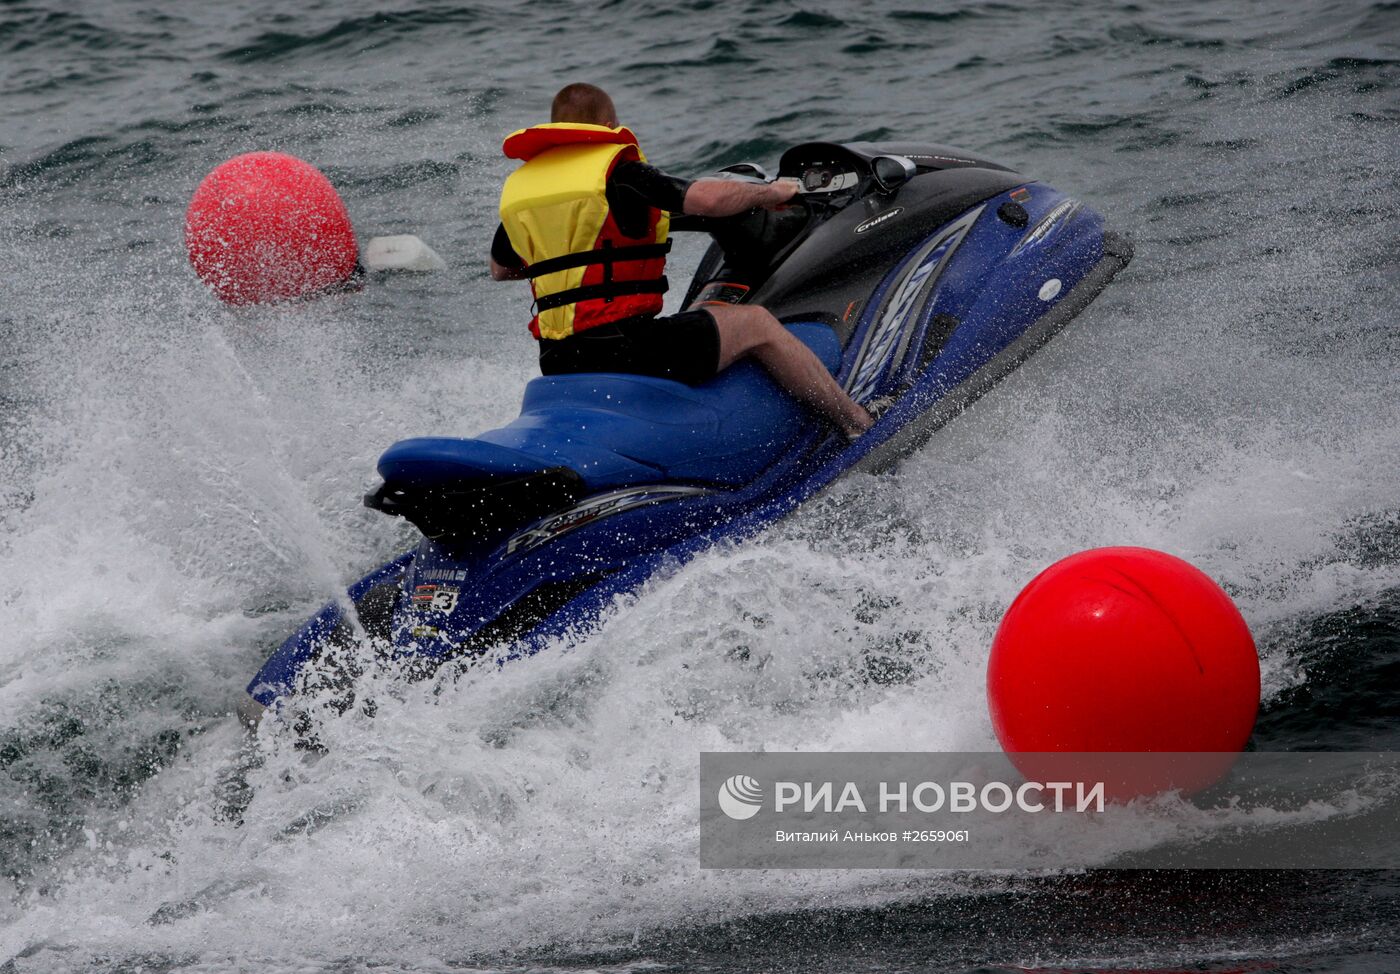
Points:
[(1124, 649), (265, 226)]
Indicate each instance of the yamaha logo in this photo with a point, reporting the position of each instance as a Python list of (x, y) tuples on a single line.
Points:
[(740, 797), (875, 221)]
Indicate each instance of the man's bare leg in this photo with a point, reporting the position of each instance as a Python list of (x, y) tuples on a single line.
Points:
[(751, 330)]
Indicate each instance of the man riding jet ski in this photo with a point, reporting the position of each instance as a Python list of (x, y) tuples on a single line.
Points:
[(585, 219), (914, 276)]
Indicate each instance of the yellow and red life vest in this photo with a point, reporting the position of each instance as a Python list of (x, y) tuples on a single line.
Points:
[(583, 271)]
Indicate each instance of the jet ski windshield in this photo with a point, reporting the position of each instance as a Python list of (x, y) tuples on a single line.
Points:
[(834, 166)]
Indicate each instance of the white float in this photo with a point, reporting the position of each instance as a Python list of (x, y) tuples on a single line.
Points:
[(401, 252)]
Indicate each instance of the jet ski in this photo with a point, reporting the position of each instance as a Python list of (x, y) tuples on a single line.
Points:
[(917, 273)]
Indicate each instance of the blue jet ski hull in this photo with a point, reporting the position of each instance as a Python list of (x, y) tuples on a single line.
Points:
[(533, 530)]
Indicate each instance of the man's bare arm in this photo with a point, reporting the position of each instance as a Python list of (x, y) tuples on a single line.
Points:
[(726, 197), (501, 273), (705, 197)]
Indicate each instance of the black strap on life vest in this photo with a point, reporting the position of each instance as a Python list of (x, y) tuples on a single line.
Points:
[(607, 256), (608, 291)]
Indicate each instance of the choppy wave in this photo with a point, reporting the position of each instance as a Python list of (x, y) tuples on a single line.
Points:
[(356, 36)]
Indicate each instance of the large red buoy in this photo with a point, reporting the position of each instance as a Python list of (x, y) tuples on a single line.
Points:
[(265, 226), (1124, 649)]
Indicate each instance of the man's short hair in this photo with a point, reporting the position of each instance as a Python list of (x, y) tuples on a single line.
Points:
[(584, 103)]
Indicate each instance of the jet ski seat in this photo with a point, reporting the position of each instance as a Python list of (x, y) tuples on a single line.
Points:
[(615, 430)]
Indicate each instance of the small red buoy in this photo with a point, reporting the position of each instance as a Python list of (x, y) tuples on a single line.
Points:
[(1124, 649), (265, 226)]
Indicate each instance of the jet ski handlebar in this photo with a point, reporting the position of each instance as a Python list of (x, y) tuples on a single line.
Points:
[(829, 176)]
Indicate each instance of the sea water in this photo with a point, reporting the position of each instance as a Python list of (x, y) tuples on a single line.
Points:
[(180, 482)]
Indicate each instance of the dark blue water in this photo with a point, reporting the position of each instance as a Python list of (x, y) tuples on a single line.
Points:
[(179, 482)]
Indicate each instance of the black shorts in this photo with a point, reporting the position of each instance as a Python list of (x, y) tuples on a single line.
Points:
[(683, 347)]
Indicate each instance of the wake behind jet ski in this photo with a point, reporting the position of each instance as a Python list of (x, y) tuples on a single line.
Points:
[(917, 272)]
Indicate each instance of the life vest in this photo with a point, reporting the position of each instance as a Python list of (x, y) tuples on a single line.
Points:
[(582, 269)]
